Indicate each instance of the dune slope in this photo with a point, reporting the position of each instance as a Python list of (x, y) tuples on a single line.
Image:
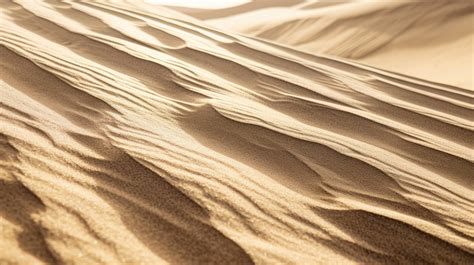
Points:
[(432, 40), (202, 13), (131, 135)]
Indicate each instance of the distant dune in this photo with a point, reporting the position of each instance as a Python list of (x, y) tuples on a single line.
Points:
[(235, 10), (437, 35), (130, 134)]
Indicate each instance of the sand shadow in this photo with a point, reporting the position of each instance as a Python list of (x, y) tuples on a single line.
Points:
[(398, 242), (169, 223)]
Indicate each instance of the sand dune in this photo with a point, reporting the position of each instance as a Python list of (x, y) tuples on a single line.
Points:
[(201, 13), (130, 134), (437, 35)]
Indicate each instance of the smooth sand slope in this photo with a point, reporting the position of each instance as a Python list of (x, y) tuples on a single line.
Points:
[(433, 40), (201, 13), (132, 135)]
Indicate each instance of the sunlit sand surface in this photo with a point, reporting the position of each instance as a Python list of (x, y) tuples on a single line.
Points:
[(133, 134), (431, 40), (202, 4)]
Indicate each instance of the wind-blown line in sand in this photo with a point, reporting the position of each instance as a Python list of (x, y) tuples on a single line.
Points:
[(437, 35), (130, 134)]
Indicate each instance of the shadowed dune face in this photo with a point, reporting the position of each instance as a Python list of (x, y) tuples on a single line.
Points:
[(132, 135), (18, 206)]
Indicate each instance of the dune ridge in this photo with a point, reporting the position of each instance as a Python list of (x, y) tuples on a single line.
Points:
[(202, 13), (437, 35), (133, 135)]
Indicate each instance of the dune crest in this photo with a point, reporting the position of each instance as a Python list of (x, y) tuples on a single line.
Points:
[(392, 35), (132, 135)]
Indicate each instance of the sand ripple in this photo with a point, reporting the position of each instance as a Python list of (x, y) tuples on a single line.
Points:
[(132, 135)]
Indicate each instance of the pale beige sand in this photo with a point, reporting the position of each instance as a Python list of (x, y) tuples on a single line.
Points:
[(132, 135), (437, 35), (253, 5)]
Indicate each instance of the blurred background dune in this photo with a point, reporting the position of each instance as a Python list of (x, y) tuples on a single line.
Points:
[(437, 35)]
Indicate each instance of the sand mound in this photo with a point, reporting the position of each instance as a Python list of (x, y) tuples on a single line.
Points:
[(235, 10), (132, 135), (437, 35)]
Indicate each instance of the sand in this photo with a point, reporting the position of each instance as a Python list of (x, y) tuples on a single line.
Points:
[(131, 134), (223, 13), (437, 35)]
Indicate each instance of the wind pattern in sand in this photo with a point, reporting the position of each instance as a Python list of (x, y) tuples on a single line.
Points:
[(130, 134)]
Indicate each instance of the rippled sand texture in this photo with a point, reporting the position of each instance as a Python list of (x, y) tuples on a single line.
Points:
[(433, 40), (132, 135)]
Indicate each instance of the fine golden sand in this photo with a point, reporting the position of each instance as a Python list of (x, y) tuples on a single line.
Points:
[(131, 134)]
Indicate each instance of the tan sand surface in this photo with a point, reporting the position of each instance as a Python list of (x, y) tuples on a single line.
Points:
[(202, 13), (130, 134), (437, 35)]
